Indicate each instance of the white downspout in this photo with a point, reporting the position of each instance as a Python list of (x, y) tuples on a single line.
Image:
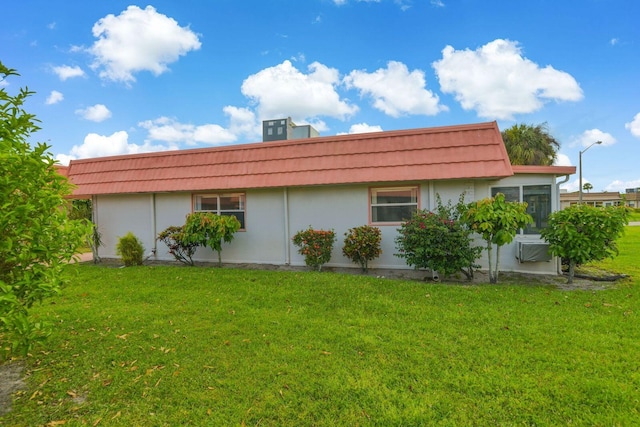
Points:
[(287, 236), (558, 184), (154, 250)]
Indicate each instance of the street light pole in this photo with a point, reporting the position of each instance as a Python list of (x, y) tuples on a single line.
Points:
[(580, 163)]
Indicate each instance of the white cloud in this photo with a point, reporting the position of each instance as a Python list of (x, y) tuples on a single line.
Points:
[(362, 128), (497, 82), (54, 97), (284, 91), (437, 3), (634, 126), (139, 40), (572, 186), (562, 160), (621, 186), (170, 130), (65, 72), (95, 145), (51, 26), (243, 122), (614, 41), (396, 91), (590, 136), (96, 113)]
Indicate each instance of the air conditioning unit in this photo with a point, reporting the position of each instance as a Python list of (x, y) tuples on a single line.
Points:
[(533, 252)]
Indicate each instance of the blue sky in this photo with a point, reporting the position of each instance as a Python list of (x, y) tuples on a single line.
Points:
[(116, 77)]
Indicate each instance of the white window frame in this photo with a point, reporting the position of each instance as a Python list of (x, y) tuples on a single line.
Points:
[(373, 203), (197, 205)]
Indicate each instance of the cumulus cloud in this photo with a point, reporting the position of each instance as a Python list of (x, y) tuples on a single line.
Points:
[(573, 185), (171, 131), (96, 113), (562, 160), (590, 136), (283, 91), (243, 122), (54, 97), (95, 145), (621, 186), (139, 40), (362, 128), (634, 126), (65, 72), (396, 91), (497, 82)]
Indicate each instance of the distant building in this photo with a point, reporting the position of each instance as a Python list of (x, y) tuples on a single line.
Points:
[(284, 129), (632, 197), (594, 198)]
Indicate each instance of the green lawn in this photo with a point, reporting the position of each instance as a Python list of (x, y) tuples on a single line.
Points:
[(167, 346)]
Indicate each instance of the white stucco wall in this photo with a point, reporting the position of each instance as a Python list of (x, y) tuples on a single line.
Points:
[(273, 216)]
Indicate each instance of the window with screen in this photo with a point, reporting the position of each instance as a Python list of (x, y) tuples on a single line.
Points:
[(538, 199)]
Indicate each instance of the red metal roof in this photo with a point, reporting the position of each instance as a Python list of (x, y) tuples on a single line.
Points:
[(451, 152)]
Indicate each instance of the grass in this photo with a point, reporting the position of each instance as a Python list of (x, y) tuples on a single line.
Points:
[(160, 345)]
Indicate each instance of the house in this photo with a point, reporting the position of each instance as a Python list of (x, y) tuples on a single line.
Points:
[(593, 198), (335, 182), (632, 197)]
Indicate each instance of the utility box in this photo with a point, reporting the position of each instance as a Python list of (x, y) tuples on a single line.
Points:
[(533, 252)]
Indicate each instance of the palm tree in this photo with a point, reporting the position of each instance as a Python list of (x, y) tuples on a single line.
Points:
[(587, 186), (530, 145)]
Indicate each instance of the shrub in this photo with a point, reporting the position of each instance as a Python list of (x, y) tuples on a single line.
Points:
[(315, 245), (362, 244), (175, 239), (209, 229), (130, 249), (582, 233), (439, 241)]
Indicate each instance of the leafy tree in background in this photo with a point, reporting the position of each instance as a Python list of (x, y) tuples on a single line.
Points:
[(587, 186), (498, 222), (38, 237), (530, 145), (583, 233), (209, 229)]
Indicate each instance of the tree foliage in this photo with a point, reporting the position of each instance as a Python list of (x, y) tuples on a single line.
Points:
[(582, 233), (38, 237), (439, 241), (315, 245), (587, 186), (362, 244), (530, 145), (211, 230), (498, 222)]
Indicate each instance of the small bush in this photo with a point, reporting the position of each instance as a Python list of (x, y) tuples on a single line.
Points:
[(315, 245), (439, 241), (130, 249), (362, 244), (175, 239)]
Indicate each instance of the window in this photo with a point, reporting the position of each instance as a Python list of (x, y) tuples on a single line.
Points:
[(393, 205), (269, 131), (221, 204), (280, 129), (538, 198)]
